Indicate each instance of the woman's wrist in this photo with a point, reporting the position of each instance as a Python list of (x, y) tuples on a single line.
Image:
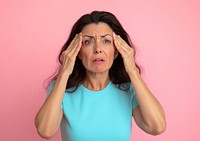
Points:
[(134, 73), (64, 75)]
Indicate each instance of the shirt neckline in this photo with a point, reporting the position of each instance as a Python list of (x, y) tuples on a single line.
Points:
[(86, 90)]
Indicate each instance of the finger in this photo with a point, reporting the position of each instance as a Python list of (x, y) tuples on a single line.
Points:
[(115, 41), (78, 45), (122, 43), (70, 49), (117, 44), (75, 50), (73, 45)]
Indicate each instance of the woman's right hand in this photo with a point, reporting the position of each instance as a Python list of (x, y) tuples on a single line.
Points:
[(68, 57), (48, 119)]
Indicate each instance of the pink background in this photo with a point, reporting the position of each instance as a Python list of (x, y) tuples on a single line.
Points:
[(165, 32)]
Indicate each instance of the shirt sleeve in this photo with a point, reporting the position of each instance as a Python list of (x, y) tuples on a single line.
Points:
[(133, 97), (49, 91)]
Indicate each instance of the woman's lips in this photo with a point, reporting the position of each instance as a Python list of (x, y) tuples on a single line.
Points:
[(98, 61)]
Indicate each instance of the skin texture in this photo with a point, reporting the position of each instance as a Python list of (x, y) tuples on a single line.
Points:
[(97, 54), (97, 46)]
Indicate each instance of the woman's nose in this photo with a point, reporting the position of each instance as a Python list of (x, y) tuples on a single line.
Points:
[(98, 51), (97, 48)]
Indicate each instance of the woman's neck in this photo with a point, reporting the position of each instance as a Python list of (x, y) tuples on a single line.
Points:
[(96, 81)]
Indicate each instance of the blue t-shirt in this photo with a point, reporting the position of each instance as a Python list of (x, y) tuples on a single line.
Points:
[(104, 115)]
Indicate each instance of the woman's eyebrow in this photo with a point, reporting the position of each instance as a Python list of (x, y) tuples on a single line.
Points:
[(91, 36), (88, 36), (106, 35)]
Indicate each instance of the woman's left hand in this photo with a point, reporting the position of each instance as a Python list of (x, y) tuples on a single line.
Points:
[(149, 115), (126, 52)]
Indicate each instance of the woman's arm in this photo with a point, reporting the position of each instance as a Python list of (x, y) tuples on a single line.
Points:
[(149, 115), (48, 119)]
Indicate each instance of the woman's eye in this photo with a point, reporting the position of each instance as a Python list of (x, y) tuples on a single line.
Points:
[(106, 41), (87, 42)]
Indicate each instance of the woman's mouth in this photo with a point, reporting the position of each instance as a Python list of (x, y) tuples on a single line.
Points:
[(98, 61)]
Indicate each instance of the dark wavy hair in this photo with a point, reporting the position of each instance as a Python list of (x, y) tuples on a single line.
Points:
[(117, 72)]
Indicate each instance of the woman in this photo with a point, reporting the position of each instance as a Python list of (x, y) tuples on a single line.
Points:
[(98, 88)]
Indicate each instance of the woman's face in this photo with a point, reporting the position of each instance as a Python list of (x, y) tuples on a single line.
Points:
[(97, 52)]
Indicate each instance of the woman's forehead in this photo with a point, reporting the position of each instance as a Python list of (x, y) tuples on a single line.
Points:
[(100, 29)]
